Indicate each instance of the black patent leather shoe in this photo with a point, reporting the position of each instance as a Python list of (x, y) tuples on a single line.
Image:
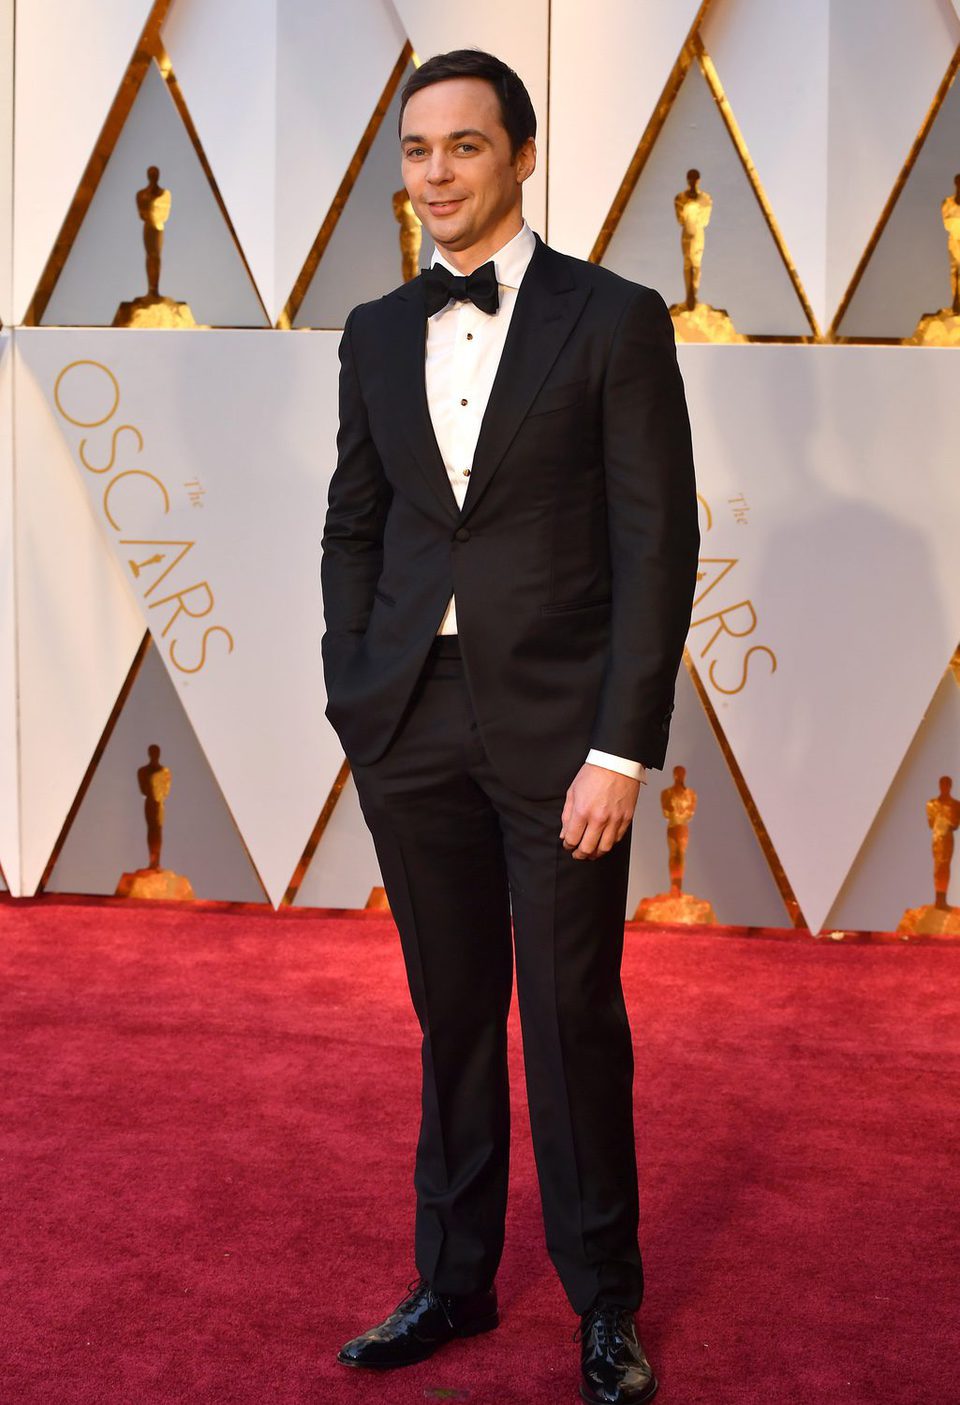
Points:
[(614, 1369), (418, 1326)]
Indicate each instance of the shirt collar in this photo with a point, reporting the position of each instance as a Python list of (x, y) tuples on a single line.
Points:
[(510, 261)]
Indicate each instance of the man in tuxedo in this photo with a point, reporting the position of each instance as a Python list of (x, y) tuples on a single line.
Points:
[(509, 561)]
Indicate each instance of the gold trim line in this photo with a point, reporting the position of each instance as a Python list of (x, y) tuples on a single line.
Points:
[(329, 805), (790, 902)]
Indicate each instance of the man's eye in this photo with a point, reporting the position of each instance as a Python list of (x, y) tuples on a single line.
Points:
[(413, 151), (467, 146)]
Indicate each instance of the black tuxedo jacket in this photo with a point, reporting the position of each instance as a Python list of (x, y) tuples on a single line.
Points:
[(574, 556)]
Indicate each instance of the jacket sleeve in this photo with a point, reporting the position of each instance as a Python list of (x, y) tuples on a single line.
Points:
[(357, 505), (653, 531)]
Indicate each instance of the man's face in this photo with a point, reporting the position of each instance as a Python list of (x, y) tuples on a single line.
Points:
[(456, 164)]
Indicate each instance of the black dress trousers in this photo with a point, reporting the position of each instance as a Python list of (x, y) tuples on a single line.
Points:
[(457, 852)]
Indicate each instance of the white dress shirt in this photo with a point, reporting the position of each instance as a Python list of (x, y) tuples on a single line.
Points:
[(464, 346)]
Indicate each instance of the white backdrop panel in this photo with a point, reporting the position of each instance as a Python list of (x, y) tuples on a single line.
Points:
[(200, 261), (771, 57), (6, 160), (894, 869), (216, 524), (9, 771), (609, 62), (436, 26), (844, 568), (78, 624), (876, 52), (70, 58)]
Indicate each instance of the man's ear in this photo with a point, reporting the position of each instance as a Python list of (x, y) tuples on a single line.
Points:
[(526, 160)]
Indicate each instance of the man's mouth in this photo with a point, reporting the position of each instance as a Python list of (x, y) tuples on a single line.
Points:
[(444, 207)]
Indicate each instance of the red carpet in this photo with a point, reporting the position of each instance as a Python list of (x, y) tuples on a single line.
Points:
[(206, 1142)]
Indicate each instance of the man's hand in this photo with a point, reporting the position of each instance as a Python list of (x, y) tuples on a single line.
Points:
[(598, 810)]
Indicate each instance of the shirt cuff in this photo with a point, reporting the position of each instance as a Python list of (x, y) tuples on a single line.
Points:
[(633, 769)]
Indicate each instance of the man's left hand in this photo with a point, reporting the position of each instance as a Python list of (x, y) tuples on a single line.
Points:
[(598, 810)]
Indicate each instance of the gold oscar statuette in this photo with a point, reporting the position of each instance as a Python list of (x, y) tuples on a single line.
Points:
[(411, 235), (942, 328), (693, 320), (154, 881), (937, 919), (153, 310), (679, 805)]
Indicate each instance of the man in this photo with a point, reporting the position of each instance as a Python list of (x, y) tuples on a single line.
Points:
[(509, 561)]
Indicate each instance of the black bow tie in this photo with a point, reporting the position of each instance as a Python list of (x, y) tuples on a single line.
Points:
[(480, 287)]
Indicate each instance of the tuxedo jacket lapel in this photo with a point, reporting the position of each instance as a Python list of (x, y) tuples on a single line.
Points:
[(549, 303), (405, 362)]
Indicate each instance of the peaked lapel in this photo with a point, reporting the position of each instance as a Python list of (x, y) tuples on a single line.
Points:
[(548, 305), (406, 370)]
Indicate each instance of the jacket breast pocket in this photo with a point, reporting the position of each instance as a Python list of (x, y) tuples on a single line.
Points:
[(558, 397)]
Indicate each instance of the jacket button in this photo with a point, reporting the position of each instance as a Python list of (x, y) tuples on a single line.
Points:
[(462, 534)]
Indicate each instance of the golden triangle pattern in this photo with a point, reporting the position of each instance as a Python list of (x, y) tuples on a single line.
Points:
[(693, 53), (916, 149), (298, 293), (49, 881), (149, 51), (873, 895)]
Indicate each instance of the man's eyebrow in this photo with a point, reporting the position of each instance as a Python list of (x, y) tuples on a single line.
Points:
[(451, 136)]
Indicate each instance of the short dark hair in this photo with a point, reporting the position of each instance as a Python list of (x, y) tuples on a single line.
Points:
[(516, 109)]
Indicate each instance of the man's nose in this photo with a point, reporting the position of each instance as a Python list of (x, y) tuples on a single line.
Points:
[(438, 171)]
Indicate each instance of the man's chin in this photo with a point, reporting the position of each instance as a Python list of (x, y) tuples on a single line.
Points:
[(448, 235)]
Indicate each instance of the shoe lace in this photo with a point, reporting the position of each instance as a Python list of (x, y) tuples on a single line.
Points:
[(607, 1321), (419, 1287)]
